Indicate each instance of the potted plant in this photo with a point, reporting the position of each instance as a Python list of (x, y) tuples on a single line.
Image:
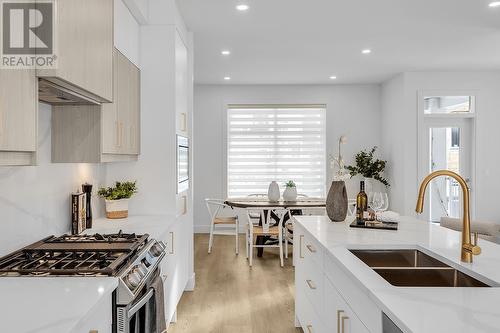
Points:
[(290, 193), (369, 167), (117, 199)]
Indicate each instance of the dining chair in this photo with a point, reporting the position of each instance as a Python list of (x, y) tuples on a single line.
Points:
[(227, 225), (266, 229), (255, 214)]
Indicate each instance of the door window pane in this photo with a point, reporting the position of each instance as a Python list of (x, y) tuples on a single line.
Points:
[(445, 155), (447, 104)]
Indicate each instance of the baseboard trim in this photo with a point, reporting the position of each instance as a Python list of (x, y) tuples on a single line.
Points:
[(191, 283), (205, 229)]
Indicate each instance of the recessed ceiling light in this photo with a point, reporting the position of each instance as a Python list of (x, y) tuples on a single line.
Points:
[(333, 77), (225, 52), (366, 51), (242, 7), (227, 78), (494, 4)]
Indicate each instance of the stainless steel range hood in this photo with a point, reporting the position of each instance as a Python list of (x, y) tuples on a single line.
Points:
[(58, 92)]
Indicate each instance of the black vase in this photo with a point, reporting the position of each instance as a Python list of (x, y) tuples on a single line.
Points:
[(87, 189), (336, 202)]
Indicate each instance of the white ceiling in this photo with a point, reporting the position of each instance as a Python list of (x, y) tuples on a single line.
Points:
[(306, 41)]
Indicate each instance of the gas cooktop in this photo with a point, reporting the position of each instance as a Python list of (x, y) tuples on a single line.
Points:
[(94, 255)]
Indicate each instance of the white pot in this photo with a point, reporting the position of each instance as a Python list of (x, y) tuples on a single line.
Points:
[(273, 193), (290, 194), (117, 209)]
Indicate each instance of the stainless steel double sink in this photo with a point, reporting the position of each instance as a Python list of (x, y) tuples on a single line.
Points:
[(413, 268)]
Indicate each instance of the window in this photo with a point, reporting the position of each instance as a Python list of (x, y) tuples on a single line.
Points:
[(448, 104), (281, 143)]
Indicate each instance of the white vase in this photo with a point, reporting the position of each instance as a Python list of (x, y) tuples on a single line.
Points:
[(273, 193), (369, 185), (290, 194), (117, 209)]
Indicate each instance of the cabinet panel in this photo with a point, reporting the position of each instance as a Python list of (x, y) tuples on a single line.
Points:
[(181, 84), (338, 315), (18, 116), (84, 40)]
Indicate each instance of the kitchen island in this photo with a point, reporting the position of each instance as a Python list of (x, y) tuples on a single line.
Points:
[(336, 291)]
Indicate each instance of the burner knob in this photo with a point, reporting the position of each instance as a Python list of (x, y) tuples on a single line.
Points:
[(142, 269), (133, 279), (156, 250)]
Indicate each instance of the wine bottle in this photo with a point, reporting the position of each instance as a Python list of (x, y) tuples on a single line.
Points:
[(361, 203)]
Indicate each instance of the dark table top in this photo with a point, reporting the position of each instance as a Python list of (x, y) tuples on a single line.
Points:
[(264, 203)]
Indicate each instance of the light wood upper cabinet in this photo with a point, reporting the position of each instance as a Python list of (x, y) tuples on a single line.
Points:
[(18, 116), (106, 133), (84, 47)]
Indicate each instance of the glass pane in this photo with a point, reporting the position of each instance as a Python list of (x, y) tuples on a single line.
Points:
[(445, 154), (447, 104)]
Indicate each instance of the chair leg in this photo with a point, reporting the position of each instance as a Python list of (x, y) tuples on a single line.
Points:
[(286, 244), (246, 242), (281, 247), (250, 239), (211, 239), (237, 237)]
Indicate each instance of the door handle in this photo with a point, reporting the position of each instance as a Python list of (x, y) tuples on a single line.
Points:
[(344, 318), (172, 242), (339, 313), (311, 284), (144, 299), (311, 248), (310, 329)]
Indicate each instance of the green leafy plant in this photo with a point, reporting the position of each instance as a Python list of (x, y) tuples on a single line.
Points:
[(290, 183), (368, 166), (121, 190)]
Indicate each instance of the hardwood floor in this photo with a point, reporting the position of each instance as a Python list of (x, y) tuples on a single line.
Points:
[(231, 297)]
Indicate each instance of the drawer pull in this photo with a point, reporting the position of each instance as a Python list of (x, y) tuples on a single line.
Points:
[(310, 329), (344, 318), (311, 248), (311, 284), (301, 255), (339, 313)]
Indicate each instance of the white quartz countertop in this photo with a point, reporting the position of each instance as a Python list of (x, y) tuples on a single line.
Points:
[(49, 304), (59, 304), (417, 310)]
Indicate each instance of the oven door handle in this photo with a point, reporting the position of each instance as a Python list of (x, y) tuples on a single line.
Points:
[(144, 299)]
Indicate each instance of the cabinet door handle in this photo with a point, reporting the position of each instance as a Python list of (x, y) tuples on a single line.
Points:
[(311, 284), (310, 329), (301, 240), (344, 318), (183, 122), (339, 313), (311, 248), (172, 242)]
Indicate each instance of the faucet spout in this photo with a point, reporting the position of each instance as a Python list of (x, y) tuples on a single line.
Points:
[(468, 249)]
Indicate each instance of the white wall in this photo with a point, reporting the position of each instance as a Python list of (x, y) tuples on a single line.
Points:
[(399, 110), (352, 110), (126, 31)]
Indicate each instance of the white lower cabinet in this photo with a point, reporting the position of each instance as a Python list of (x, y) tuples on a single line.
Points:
[(175, 266), (324, 300)]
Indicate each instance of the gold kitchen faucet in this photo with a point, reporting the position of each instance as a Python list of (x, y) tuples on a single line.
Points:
[(468, 249)]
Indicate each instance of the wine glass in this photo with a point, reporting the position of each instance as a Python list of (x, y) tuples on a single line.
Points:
[(385, 198), (378, 202)]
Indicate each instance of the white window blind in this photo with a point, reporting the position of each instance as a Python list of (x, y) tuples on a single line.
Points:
[(281, 143)]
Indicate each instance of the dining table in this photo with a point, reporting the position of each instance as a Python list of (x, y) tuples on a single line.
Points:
[(266, 208)]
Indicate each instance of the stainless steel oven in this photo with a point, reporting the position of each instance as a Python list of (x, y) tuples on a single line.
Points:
[(138, 300)]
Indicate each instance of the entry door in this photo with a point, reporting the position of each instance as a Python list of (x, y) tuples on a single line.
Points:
[(447, 144)]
